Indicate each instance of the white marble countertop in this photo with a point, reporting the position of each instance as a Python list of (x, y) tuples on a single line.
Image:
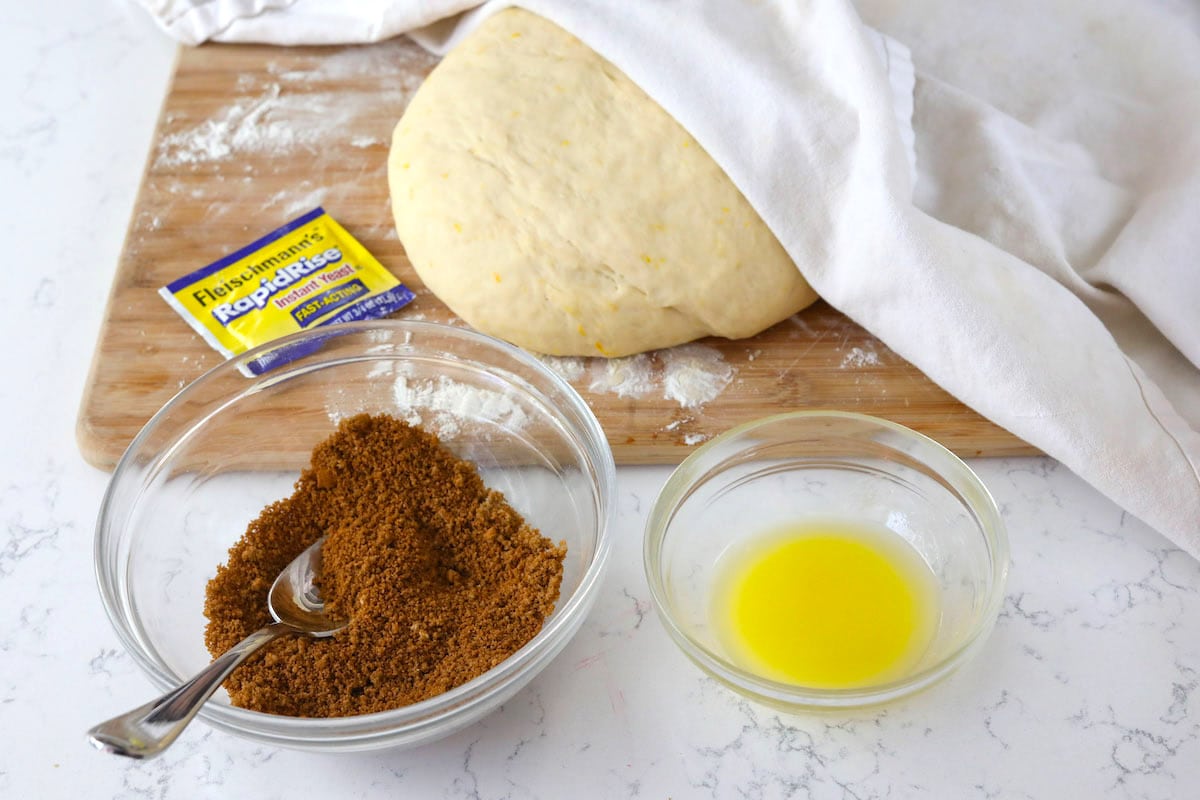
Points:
[(1087, 688)]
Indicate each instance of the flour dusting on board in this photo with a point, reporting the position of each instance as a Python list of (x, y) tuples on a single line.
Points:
[(858, 357), (569, 368), (245, 126), (694, 374), (398, 58), (690, 375), (276, 122), (304, 110), (293, 203), (440, 405), (452, 402), (631, 376)]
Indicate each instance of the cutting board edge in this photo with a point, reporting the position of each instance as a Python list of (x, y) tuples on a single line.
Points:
[(97, 451)]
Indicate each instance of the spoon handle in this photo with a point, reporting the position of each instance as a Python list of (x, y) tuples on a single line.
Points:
[(147, 730)]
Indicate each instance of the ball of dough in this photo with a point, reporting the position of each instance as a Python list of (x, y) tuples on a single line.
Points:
[(549, 202)]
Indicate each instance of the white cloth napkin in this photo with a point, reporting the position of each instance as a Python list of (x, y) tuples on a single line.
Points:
[(1043, 267)]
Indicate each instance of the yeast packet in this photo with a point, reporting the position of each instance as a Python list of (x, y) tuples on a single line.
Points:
[(307, 273)]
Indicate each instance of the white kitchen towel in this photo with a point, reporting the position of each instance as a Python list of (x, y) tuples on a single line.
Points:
[(1042, 268)]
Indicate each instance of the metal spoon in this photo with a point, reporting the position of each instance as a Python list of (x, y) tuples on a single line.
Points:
[(297, 607)]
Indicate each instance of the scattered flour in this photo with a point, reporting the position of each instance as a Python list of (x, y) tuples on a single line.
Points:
[(399, 58), (798, 321), (694, 374), (293, 204), (631, 376), (569, 368), (675, 425), (690, 374), (380, 369), (298, 109), (241, 127), (451, 403), (858, 357), (695, 438)]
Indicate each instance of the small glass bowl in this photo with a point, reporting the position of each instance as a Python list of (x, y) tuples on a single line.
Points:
[(229, 444), (826, 464)]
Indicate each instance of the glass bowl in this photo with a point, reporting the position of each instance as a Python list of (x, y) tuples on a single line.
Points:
[(825, 465), (232, 442)]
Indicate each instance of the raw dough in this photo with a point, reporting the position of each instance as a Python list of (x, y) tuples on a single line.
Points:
[(548, 201)]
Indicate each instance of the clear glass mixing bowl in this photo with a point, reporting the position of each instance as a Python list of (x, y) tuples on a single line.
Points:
[(826, 464), (231, 442)]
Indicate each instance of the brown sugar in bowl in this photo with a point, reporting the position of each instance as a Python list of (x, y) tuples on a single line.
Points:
[(228, 445), (437, 577)]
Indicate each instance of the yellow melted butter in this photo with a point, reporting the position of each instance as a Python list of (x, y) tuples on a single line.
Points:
[(826, 604)]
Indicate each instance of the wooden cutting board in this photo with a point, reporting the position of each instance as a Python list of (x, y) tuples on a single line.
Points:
[(252, 136)]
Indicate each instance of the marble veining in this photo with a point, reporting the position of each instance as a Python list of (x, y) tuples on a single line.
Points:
[(1087, 687)]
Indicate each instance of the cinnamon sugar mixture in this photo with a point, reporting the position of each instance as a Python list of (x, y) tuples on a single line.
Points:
[(439, 577)]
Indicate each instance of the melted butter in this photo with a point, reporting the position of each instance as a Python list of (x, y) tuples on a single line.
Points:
[(826, 604)]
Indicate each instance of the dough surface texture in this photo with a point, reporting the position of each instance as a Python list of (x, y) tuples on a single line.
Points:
[(549, 202)]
